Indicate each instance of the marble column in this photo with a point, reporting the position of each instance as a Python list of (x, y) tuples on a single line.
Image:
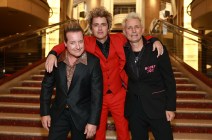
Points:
[(148, 10), (92, 4)]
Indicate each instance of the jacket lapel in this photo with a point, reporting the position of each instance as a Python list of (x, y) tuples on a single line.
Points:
[(63, 75), (92, 47), (77, 73)]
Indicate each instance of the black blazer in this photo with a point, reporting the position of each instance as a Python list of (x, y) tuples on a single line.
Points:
[(151, 80), (84, 95)]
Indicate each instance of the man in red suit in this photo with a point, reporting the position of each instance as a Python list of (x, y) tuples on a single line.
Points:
[(109, 49)]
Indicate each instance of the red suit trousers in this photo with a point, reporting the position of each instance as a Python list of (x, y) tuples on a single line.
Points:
[(114, 103)]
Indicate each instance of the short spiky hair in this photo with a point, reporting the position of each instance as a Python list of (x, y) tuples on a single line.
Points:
[(72, 26), (132, 15), (99, 12)]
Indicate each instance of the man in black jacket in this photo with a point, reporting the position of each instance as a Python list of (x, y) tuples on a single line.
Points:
[(151, 95), (78, 100)]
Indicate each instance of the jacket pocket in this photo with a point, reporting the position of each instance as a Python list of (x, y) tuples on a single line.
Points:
[(157, 92)]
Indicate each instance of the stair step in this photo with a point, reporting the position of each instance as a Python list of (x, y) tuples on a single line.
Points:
[(37, 90), (194, 113), (9, 107), (192, 126), (181, 80), (38, 77), (23, 119), (12, 107), (42, 72), (174, 69), (20, 98), (22, 133), (25, 90), (194, 103), (187, 87), (192, 136), (178, 74), (15, 119), (188, 136), (33, 133), (31, 83), (37, 82), (192, 94), (180, 125)]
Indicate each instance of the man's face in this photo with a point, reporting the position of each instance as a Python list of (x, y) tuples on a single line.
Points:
[(75, 43), (100, 28), (133, 30)]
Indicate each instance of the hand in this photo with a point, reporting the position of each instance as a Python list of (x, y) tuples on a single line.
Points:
[(51, 61), (159, 47), (90, 131), (170, 115), (46, 122)]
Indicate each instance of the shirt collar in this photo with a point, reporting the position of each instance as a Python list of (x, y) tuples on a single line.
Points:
[(107, 42), (63, 57)]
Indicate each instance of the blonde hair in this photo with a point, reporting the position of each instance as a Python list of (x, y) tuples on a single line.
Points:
[(99, 12), (132, 15)]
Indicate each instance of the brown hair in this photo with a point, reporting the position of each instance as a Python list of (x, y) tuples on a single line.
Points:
[(99, 12), (72, 26)]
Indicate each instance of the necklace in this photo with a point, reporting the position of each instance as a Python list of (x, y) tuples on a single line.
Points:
[(138, 55)]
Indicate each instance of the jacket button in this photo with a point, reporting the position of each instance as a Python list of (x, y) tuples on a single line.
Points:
[(67, 106)]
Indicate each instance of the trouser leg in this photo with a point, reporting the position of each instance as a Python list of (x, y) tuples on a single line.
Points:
[(101, 130), (161, 129), (116, 106), (138, 122), (59, 128), (77, 134)]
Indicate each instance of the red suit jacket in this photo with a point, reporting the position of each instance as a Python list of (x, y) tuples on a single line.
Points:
[(112, 67), (114, 76)]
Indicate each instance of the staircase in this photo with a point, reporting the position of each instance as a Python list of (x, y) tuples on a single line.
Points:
[(20, 120)]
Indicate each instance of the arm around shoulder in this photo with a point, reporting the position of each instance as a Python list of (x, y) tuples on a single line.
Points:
[(51, 60)]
